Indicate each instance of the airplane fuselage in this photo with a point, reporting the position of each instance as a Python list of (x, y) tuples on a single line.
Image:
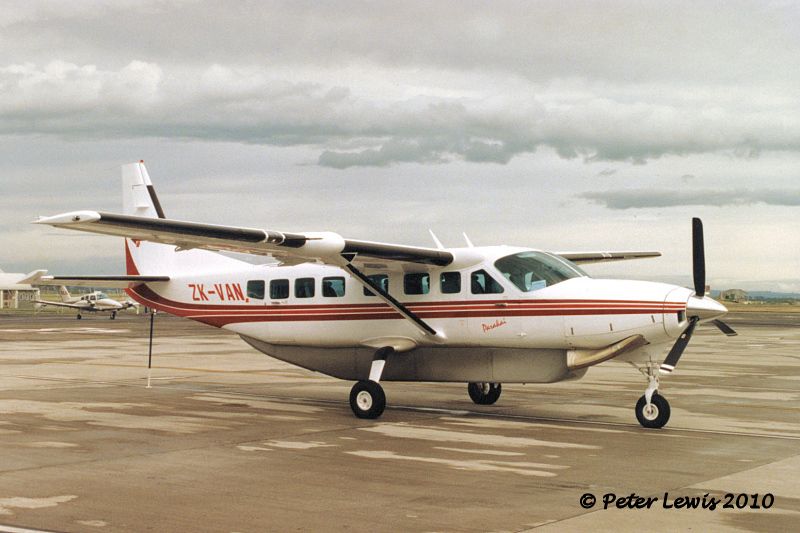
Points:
[(320, 317)]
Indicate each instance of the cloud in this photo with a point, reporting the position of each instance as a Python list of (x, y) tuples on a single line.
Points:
[(641, 198), (354, 126)]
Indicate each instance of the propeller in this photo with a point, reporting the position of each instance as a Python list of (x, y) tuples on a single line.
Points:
[(699, 306), (698, 258)]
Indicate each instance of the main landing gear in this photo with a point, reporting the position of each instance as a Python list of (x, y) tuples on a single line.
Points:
[(652, 409), (367, 399), (79, 316), (484, 393), (113, 315)]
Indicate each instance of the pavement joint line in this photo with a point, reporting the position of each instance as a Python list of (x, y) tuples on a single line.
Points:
[(462, 412)]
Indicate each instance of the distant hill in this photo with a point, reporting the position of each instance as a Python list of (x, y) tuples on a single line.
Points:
[(766, 295)]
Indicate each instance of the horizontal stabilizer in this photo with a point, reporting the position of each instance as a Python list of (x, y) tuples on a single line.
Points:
[(113, 282)]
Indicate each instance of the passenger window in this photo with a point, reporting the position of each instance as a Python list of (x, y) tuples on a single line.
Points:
[(482, 283), (304, 288), (255, 289), (279, 289), (450, 282), (417, 283), (381, 280), (333, 287)]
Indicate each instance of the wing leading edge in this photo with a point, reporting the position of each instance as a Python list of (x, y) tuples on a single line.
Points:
[(584, 258)]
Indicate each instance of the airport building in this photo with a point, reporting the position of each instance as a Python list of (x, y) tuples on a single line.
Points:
[(733, 295), (14, 295)]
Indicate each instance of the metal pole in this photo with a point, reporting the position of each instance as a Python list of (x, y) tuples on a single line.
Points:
[(150, 349)]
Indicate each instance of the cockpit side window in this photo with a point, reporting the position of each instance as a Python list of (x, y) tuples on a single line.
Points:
[(530, 271), (482, 283)]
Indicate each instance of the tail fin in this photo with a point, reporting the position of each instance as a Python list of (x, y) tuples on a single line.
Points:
[(65, 296), (138, 194), (147, 258)]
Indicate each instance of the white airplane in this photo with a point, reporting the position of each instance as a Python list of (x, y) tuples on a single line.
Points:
[(93, 302), (372, 312)]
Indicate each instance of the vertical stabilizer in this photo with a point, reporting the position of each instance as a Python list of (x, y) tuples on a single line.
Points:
[(65, 296), (138, 194), (148, 258)]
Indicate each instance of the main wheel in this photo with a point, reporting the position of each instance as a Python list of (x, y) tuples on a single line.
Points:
[(367, 399), (484, 393), (657, 415), (79, 316), (113, 315)]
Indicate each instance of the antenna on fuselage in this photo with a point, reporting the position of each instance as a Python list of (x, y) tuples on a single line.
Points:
[(439, 244), (469, 242)]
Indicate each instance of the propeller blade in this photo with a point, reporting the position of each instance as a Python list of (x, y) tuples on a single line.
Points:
[(677, 349), (724, 328), (698, 258)]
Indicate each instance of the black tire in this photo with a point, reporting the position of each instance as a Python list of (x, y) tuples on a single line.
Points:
[(79, 316), (113, 315), (367, 399), (659, 414), (484, 393)]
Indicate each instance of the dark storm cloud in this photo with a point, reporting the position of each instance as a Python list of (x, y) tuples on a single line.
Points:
[(374, 84), (639, 199)]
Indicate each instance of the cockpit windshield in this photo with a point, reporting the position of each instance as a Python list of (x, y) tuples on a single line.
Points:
[(531, 271), (101, 296)]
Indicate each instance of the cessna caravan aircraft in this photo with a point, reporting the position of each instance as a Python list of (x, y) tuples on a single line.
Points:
[(93, 302), (371, 312)]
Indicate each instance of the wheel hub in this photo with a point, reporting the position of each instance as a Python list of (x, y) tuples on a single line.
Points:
[(364, 400), (650, 411)]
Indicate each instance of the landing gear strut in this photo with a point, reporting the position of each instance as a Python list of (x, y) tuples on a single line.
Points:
[(367, 399), (484, 393), (652, 409)]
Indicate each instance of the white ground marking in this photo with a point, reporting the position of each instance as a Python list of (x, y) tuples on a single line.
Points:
[(107, 414), (291, 445), (407, 431), (254, 448), (480, 452), (19, 502), (525, 469), (93, 523), (67, 330), (489, 423), (256, 404), (52, 444)]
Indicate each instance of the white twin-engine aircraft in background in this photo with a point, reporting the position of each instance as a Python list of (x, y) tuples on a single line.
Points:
[(371, 312), (93, 302)]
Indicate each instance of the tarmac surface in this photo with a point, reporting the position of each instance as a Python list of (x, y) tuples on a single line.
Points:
[(227, 439)]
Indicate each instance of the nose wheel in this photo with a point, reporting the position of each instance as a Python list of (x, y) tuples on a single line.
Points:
[(652, 409), (655, 414)]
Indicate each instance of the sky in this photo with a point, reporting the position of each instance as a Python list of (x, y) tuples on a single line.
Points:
[(560, 125)]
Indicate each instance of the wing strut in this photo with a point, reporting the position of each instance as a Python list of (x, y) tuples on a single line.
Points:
[(389, 299)]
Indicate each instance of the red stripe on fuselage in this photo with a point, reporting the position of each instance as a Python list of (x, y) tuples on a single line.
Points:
[(220, 315)]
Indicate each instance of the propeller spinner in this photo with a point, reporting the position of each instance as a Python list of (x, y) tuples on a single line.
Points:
[(699, 306)]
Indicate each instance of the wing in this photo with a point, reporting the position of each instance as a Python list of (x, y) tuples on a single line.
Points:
[(60, 304), (326, 247), (584, 258)]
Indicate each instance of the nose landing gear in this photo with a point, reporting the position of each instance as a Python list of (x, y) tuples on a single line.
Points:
[(652, 409)]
